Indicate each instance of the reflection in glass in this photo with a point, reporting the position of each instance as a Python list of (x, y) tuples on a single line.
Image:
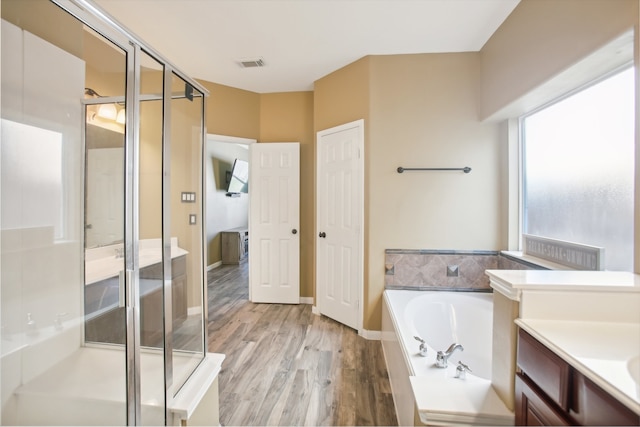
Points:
[(186, 176), (149, 221)]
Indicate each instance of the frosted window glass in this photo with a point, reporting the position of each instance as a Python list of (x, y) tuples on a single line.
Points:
[(579, 169)]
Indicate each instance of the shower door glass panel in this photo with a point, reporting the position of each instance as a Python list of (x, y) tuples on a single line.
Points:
[(150, 245), (186, 225), (62, 161)]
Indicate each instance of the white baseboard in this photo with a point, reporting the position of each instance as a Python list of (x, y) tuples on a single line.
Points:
[(214, 265), (364, 333), (306, 300), (191, 311), (370, 335)]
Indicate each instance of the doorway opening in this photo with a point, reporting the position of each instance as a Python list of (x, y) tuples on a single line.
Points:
[(227, 213)]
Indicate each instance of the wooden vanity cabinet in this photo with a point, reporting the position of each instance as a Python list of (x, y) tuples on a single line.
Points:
[(533, 408), (549, 391), (542, 385), (235, 245), (105, 320), (591, 405)]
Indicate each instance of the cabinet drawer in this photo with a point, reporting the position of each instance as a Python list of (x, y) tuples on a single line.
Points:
[(532, 409), (544, 368), (590, 405)]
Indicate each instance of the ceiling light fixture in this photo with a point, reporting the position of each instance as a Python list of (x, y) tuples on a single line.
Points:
[(121, 117), (109, 111)]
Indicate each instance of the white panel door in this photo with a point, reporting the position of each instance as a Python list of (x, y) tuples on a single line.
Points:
[(339, 269), (105, 182), (274, 218)]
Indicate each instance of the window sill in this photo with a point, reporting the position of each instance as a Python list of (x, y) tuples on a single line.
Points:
[(549, 265)]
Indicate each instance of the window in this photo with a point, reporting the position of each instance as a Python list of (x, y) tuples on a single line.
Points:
[(578, 169)]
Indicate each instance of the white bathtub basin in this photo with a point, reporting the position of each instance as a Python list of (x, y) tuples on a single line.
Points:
[(444, 318), (441, 318)]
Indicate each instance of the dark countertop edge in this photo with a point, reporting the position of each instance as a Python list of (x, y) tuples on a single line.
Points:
[(438, 252), (436, 288)]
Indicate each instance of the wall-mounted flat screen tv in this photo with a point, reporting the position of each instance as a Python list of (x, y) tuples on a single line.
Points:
[(239, 182)]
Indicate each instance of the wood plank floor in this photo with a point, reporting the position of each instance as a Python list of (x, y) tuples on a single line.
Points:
[(287, 366)]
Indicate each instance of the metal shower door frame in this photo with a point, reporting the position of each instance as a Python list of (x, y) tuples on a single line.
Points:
[(91, 15)]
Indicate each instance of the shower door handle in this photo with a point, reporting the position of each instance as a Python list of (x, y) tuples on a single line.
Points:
[(124, 288), (121, 288)]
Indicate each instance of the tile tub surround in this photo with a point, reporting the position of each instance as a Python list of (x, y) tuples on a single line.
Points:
[(445, 269)]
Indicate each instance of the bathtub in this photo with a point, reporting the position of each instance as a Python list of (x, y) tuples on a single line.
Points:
[(424, 393)]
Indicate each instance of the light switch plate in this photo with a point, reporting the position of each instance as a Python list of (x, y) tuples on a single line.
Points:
[(188, 197), (192, 219)]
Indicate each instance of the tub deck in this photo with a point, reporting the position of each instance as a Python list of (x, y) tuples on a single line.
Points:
[(426, 394)]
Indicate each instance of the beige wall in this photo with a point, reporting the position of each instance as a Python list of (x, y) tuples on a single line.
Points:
[(342, 97), (424, 114), (288, 117), (231, 111), (542, 38)]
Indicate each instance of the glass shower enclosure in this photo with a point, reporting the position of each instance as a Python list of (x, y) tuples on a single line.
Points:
[(102, 297)]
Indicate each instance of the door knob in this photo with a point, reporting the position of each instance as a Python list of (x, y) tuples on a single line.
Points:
[(294, 231), (322, 234)]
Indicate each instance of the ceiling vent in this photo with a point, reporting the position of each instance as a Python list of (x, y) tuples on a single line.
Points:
[(252, 63)]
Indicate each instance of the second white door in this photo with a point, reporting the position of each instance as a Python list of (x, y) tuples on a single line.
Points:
[(274, 218), (339, 269)]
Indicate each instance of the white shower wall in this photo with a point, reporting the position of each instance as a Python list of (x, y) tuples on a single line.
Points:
[(41, 199)]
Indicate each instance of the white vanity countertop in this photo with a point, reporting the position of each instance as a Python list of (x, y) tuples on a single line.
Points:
[(605, 352), (512, 282), (101, 268)]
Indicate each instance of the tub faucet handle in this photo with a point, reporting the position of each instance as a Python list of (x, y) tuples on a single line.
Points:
[(461, 370), (423, 346), (443, 357)]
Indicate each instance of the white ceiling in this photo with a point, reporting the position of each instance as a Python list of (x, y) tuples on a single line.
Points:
[(301, 40)]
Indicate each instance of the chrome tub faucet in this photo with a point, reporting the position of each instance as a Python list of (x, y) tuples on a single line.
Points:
[(443, 357)]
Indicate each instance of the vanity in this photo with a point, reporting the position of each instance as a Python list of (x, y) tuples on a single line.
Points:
[(104, 315), (551, 391), (573, 345)]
